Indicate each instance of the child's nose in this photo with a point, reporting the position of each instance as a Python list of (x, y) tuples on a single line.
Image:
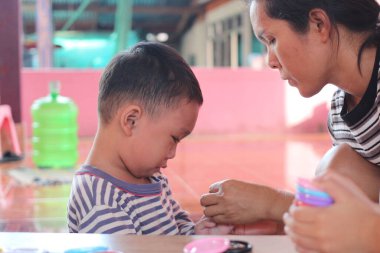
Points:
[(172, 152)]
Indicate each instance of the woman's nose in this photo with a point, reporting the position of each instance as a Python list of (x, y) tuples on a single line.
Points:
[(272, 60)]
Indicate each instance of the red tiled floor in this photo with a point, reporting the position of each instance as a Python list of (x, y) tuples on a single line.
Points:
[(201, 160)]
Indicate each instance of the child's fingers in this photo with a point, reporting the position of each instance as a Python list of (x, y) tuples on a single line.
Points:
[(209, 224), (225, 229)]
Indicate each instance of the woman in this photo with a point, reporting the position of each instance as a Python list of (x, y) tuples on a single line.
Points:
[(313, 43)]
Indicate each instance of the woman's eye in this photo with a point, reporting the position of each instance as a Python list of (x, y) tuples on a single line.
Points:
[(271, 41)]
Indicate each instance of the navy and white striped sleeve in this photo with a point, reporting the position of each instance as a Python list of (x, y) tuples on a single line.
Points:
[(184, 223), (105, 219), (90, 213)]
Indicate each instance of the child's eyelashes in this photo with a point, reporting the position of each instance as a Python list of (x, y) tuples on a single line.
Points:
[(175, 139)]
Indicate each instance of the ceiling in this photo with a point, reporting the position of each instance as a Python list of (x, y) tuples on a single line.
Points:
[(148, 16)]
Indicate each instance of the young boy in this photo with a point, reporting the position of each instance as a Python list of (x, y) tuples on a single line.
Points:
[(148, 102)]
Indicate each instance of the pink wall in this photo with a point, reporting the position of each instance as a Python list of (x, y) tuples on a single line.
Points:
[(241, 100), (235, 100)]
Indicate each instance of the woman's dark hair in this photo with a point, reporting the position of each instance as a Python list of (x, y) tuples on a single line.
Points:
[(356, 15), (151, 74)]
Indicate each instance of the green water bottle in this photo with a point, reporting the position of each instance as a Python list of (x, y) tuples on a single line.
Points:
[(55, 130)]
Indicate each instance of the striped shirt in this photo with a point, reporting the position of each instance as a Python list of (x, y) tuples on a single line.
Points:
[(100, 203), (360, 128)]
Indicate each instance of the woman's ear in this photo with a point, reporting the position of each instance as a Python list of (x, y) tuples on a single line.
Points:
[(319, 23), (130, 116)]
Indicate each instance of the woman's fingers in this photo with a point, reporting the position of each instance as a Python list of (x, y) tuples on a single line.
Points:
[(210, 199), (217, 187), (306, 243)]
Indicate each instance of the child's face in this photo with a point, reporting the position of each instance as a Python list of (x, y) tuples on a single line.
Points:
[(154, 140)]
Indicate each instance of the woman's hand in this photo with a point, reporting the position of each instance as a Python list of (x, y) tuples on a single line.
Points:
[(349, 225), (237, 202)]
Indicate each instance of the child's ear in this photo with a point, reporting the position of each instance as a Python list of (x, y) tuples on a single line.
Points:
[(320, 23), (129, 119)]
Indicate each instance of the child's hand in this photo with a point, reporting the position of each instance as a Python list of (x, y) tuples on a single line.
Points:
[(207, 227)]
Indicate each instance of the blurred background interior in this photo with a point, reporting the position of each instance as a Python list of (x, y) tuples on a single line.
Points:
[(253, 126)]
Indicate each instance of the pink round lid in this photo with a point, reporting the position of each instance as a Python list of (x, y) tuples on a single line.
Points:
[(207, 245)]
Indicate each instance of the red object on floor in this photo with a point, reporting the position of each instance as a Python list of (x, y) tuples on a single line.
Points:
[(7, 124)]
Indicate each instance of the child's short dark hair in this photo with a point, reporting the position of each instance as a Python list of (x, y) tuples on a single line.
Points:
[(151, 74)]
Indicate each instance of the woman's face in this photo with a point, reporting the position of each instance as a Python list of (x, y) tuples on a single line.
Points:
[(302, 59)]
